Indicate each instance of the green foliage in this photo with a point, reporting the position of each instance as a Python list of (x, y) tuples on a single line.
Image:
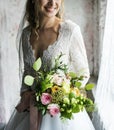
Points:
[(45, 86), (89, 86), (72, 95), (76, 81), (67, 115), (29, 80), (72, 74), (78, 84), (76, 109), (46, 83), (37, 64)]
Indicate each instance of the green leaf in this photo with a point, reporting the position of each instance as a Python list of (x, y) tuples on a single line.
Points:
[(81, 78), (43, 111), (48, 78), (66, 115), (72, 74), (37, 64), (90, 108), (89, 86), (46, 86), (72, 95), (29, 80), (78, 84), (76, 109)]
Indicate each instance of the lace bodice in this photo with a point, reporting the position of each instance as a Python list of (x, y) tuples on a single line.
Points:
[(69, 42)]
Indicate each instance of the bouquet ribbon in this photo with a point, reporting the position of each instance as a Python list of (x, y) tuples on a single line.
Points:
[(27, 101), (35, 116)]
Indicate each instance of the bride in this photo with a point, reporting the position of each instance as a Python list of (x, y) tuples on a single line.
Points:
[(46, 36)]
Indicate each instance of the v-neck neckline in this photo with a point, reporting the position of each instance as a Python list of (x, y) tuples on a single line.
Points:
[(50, 45)]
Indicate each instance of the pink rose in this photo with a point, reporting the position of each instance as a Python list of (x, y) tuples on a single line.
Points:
[(53, 109), (46, 98)]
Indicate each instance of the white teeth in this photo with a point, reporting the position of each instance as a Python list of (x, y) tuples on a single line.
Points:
[(50, 8)]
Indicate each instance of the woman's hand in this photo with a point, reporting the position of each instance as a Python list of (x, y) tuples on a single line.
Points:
[(24, 104)]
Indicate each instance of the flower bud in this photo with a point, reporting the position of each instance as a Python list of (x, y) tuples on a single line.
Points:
[(73, 101), (66, 100), (69, 111)]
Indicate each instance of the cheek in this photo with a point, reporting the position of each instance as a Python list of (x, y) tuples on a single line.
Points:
[(43, 2)]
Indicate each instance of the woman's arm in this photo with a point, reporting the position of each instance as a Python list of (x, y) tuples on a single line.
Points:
[(78, 57), (25, 91)]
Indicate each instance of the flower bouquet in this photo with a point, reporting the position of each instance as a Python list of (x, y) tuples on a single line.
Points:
[(59, 91)]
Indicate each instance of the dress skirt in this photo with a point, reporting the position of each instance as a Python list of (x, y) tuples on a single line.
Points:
[(81, 121)]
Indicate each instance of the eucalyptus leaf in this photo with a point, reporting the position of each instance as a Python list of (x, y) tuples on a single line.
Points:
[(37, 64), (89, 86), (72, 74), (78, 84), (29, 80)]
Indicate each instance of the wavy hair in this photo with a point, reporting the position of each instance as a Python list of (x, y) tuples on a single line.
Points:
[(32, 13)]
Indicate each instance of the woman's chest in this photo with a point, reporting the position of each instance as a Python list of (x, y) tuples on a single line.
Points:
[(43, 41), (50, 47)]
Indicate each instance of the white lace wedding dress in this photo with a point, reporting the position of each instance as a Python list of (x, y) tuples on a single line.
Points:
[(70, 43)]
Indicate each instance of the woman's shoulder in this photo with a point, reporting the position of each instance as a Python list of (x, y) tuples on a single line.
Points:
[(25, 35), (70, 25)]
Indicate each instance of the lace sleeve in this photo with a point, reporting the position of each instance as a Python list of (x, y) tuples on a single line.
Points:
[(26, 59), (78, 57)]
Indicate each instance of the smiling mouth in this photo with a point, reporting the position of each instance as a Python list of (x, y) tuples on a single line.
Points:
[(50, 9)]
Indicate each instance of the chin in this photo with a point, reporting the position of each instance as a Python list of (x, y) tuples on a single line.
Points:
[(49, 14)]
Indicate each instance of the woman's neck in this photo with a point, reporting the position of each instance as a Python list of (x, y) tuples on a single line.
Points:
[(46, 23)]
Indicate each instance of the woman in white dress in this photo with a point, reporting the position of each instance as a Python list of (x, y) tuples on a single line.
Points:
[(47, 36)]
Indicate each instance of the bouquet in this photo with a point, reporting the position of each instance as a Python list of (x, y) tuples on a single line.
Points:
[(58, 91)]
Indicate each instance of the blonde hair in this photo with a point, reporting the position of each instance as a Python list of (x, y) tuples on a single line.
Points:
[(32, 14)]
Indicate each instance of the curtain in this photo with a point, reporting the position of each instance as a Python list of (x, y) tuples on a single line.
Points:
[(10, 16), (104, 116), (2, 39)]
